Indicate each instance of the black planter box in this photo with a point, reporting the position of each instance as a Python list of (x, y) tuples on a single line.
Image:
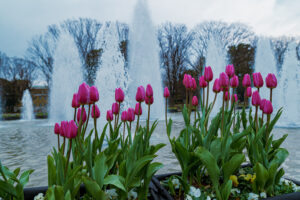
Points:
[(164, 192)]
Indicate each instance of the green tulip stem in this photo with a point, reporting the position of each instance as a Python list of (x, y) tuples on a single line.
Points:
[(138, 119), (203, 90), (75, 110), (256, 121), (118, 113), (209, 111), (87, 120), (124, 132), (58, 143), (207, 96), (64, 144), (267, 131), (166, 112), (148, 118), (271, 89), (68, 157), (223, 114)]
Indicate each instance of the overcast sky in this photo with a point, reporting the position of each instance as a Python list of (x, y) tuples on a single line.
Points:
[(20, 20)]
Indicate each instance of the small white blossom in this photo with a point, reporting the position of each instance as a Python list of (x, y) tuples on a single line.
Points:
[(111, 193), (40, 196), (263, 195), (242, 171), (132, 194), (235, 190), (195, 192), (176, 183), (188, 197), (253, 196), (208, 198)]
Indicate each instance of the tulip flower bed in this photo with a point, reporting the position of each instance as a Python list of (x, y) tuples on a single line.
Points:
[(117, 162)]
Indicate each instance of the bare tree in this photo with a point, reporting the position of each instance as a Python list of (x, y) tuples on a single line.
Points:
[(41, 49), (174, 41), (84, 32)]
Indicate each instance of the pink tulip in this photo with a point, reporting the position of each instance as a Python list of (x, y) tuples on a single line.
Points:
[(75, 103), (149, 100), (194, 84), (63, 128), (138, 109), (95, 110), (140, 94), (234, 98), (227, 96), (271, 81), (248, 92), (124, 116), (94, 94), (115, 108), (268, 108), (208, 74), (189, 83), (149, 91), (258, 80), (130, 115), (262, 104), (256, 99), (202, 82), (246, 81), (234, 81), (195, 101), (185, 80), (79, 115), (56, 128), (229, 70), (109, 115), (83, 94), (119, 95), (166, 92), (223, 80), (216, 87), (71, 129)]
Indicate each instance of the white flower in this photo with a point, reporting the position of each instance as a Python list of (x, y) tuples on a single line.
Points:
[(242, 171), (176, 183), (208, 198), (132, 194), (263, 195), (195, 192), (111, 193), (235, 190), (253, 196), (188, 197), (40, 196)]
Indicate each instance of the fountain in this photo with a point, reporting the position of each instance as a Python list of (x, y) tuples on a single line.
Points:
[(66, 78), (111, 74), (27, 106), (265, 64), (144, 65), (216, 59), (288, 87)]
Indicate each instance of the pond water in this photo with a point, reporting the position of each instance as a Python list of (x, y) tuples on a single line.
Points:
[(26, 144)]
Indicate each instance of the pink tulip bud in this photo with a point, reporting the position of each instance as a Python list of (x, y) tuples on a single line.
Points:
[(234, 81), (234, 98), (256, 99), (246, 81), (124, 116), (94, 94), (185, 80), (166, 92), (229, 70), (227, 96), (115, 108), (202, 82), (130, 115), (195, 101), (95, 111), (75, 103), (149, 100), (138, 109), (109, 115), (56, 128), (262, 104), (216, 87), (71, 129), (223, 80), (149, 91), (268, 108), (63, 128), (140, 94), (119, 95), (79, 115), (83, 94), (248, 92), (194, 84), (208, 74), (258, 80), (271, 81)]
